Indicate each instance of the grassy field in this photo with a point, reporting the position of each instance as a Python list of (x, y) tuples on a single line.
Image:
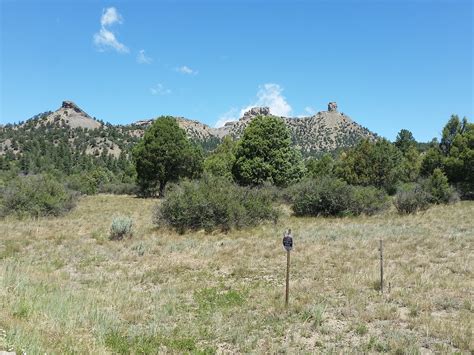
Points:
[(66, 288)]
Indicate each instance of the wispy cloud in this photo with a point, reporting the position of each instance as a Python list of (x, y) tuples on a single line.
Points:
[(105, 38), (110, 16), (229, 116), (159, 90), (186, 70), (142, 58), (270, 95), (311, 111)]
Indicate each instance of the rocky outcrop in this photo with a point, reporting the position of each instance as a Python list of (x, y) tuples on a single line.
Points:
[(196, 129), (257, 111), (70, 115), (73, 106), (323, 132)]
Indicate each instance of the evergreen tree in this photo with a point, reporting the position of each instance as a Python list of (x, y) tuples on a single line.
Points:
[(318, 168), (370, 163), (164, 155), (405, 140), (222, 159), (265, 154)]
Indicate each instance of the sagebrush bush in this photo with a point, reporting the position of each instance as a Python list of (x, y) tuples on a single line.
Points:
[(213, 203), (36, 195), (411, 198), (121, 227), (334, 197)]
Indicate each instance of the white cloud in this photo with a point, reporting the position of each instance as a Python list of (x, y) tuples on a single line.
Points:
[(142, 58), (311, 111), (159, 89), (269, 95), (105, 38), (186, 70), (229, 116), (110, 16)]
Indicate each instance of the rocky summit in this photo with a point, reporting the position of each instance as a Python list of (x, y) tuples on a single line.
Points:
[(70, 115), (323, 132)]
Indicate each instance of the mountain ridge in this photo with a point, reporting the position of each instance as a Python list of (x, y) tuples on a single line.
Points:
[(324, 131)]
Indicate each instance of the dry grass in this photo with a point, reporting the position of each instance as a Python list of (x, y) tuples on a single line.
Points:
[(65, 287)]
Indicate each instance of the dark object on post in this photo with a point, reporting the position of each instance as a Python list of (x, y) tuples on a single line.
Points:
[(288, 240)]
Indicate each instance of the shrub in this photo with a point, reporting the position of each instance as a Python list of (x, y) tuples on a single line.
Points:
[(438, 188), (327, 197), (36, 195), (333, 197), (411, 198), (213, 203), (368, 200), (89, 183), (121, 227)]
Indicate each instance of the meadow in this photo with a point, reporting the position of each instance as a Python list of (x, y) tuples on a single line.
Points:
[(67, 288)]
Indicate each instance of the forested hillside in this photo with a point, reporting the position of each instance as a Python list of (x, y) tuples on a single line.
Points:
[(69, 142), (91, 156)]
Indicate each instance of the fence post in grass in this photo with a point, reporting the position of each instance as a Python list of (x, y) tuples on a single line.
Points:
[(288, 245), (381, 265)]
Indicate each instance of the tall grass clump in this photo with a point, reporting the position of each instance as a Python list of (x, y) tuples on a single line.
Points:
[(334, 197), (120, 228), (213, 203), (36, 195)]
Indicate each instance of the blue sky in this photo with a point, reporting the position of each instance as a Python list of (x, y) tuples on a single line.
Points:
[(389, 64)]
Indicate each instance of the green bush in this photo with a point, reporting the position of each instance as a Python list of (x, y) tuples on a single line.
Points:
[(89, 183), (411, 198), (37, 195), (438, 188), (368, 200), (334, 197), (120, 228), (213, 203), (327, 197), (371, 164)]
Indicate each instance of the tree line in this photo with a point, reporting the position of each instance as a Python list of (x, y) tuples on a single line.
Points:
[(234, 183), (265, 155)]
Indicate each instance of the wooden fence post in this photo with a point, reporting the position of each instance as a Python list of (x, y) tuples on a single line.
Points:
[(381, 265)]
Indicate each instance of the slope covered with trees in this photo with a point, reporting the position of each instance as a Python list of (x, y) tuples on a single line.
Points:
[(90, 156)]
